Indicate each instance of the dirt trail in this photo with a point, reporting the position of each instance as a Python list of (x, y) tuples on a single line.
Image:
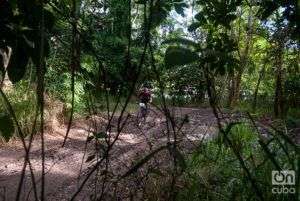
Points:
[(63, 164)]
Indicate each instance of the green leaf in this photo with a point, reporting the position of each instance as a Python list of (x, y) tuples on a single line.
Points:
[(179, 8), (160, 12), (201, 19), (6, 126), (230, 126), (194, 26), (176, 56)]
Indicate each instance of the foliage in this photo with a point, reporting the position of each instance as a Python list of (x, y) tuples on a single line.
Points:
[(289, 12), (23, 101), (179, 56), (292, 88), (216, 13), (6, 126), (214, 174), (219, 47), (21, 21), (196, 58), (161, 9), (185, 84)]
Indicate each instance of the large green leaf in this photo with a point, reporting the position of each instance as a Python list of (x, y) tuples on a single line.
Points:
[(6, 126), (194, 26), (179, 7), (176, 56), (160, 11), (162, 8), (201, 19)]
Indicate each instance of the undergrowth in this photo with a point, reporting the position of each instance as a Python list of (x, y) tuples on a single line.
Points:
[(214, 173)]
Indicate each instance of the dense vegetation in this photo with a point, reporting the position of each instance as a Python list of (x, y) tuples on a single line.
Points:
[(73, 59)]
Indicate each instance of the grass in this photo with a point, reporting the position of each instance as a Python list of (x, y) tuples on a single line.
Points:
[(214, 173), (261, 108), (23, 101)]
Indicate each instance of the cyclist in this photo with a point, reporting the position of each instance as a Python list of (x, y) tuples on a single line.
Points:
[(144, 98)]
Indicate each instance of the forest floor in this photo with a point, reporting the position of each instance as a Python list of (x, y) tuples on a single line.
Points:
[(66, 166)]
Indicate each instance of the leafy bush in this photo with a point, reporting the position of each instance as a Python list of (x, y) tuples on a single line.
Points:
[(23, 100), (214, 173)]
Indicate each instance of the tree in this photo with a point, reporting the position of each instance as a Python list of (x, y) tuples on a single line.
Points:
[(245, 48)]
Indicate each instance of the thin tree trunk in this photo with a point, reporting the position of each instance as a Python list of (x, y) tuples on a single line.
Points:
[(278, 100), (237, 80), (237, 88), (75, 59), (261, 75)]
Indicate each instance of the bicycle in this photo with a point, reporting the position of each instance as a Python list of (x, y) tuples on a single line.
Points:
[(142, 114)]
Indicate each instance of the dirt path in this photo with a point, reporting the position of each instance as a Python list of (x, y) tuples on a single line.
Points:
[(63, 165)]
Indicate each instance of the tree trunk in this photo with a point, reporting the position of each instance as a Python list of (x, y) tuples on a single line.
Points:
[(261, 75), (278, 100), (237, 89), (231, 90), (234, 95)]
